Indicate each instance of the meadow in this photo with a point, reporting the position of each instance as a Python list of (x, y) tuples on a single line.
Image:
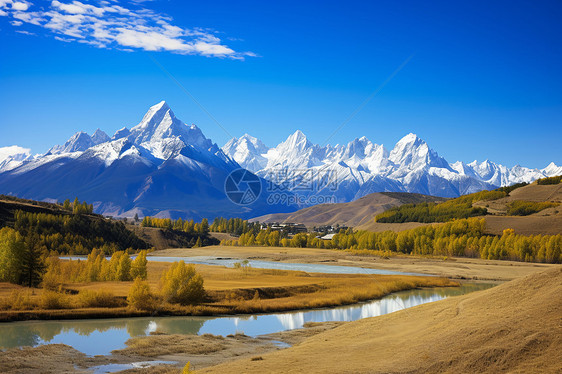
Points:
[(226, 291)]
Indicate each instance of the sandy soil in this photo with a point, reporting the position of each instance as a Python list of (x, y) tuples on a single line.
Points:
[(457, 268), (514, 327), (53, 358)]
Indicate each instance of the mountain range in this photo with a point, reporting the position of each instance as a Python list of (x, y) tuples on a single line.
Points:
[(166, 168), (160, 167), (362, 167)]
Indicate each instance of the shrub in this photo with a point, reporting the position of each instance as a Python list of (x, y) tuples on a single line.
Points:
[(53, 300), (19, 299), (140, 296), (182, 284), (98, 299)]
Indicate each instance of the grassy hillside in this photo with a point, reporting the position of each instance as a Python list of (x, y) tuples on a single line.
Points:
[(517, 200), (497, 330), (58, 229)]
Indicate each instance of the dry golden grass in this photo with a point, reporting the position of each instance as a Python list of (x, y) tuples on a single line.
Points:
[(227, 291), (511, 328), (159, 345)]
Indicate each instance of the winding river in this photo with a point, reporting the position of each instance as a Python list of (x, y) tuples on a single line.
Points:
[(101, 336)]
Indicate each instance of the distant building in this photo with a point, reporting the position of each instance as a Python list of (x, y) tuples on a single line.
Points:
[(288, 227)]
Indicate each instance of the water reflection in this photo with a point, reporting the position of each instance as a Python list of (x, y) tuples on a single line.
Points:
[(101, 336)]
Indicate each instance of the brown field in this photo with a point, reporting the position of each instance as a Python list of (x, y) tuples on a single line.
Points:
[(455, 268), (514, 327), (229, 291)]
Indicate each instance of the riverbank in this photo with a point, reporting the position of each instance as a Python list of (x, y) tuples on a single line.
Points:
[(201, 351), (228, 291), (453, 268)]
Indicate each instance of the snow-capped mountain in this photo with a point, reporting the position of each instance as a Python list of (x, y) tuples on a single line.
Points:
[(13, 156), (362, 167), (166, 168), (79, 142), (248, 150), (159, 167)]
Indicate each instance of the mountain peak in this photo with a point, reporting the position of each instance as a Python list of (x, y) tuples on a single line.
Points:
[(99, 137), (297, 137), (161, 105), (410, 138)]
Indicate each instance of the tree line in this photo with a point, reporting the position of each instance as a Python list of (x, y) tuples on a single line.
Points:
[(550, 180), (524, 208), (96, 268), (460, 207), (234, 226), (460, 237), (188, 226)]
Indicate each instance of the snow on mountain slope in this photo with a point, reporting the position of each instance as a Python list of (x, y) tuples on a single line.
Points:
[(99, 137), (551, 170), (247, 151), (13, 156), (159, 167), (165, 167), (362, 167)]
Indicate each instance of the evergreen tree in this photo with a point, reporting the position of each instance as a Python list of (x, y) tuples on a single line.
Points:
[(32, 265)]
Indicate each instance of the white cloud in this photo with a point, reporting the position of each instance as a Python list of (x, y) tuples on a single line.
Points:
[(24, 32), (106, 24), (16, 23), (20, 6)]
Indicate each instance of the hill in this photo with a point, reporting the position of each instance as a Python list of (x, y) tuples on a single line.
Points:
[(63, 231), (358, 214), (514, 327), (529, 210), (545, 222)]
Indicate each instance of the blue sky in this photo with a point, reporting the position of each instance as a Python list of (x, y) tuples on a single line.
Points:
[(483, 80)]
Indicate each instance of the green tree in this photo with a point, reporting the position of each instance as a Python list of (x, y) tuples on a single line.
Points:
[(12, 248), (32, 264)]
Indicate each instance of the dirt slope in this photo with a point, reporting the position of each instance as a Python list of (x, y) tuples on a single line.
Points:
[(545, 222), (355, 214), (514, 327)]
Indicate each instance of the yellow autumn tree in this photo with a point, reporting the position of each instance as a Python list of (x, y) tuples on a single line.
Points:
[(182, 284)]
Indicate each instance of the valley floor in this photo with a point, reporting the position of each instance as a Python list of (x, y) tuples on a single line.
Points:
[(454, 268)]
